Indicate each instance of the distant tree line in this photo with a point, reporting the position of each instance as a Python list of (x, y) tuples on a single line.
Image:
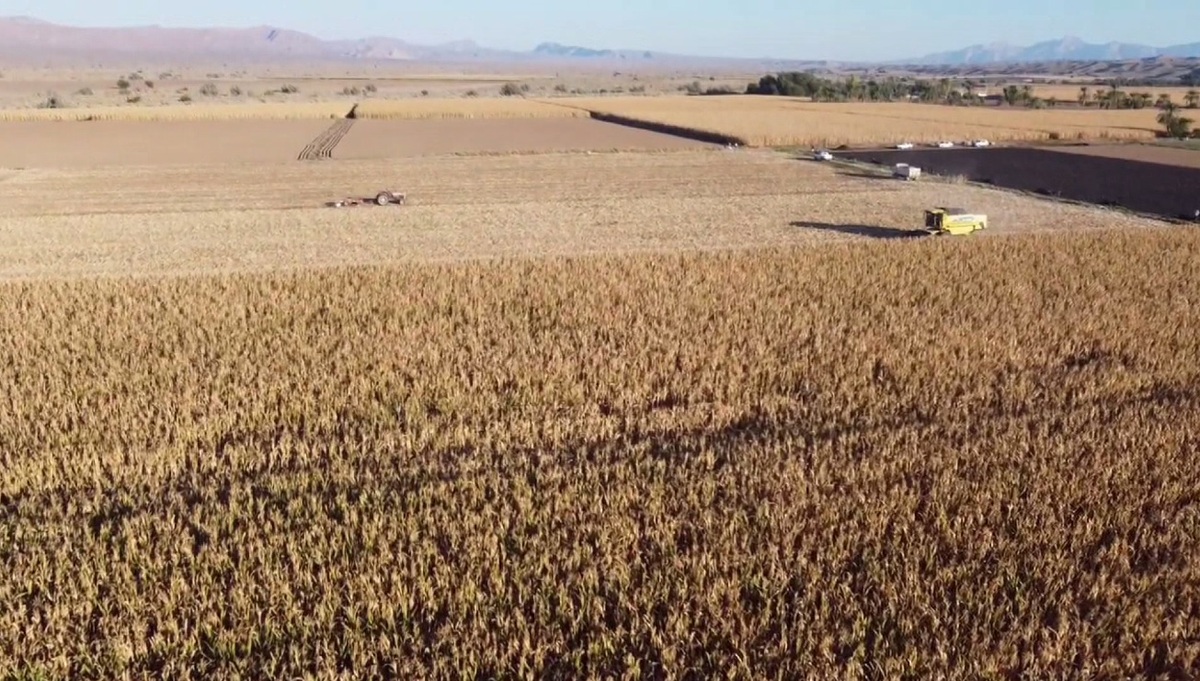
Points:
[(889, 89), (944, 91), (854, 89), (1113, 97)]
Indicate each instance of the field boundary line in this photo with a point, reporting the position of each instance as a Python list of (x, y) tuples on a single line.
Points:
[(683, 132)]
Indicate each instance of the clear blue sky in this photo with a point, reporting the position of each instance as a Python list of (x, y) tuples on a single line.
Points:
[(822, 29)]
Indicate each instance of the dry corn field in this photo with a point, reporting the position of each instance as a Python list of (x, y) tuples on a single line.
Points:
[(386, 109), (780, 121), (931, 459), (442, 108), (252, 111), (125, 220)]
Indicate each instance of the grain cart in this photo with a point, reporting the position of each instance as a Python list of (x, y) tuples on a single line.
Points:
[(953, 221)]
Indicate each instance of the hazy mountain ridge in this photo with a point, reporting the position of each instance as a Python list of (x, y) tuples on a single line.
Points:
[(30, 38), (1068, 49), (26, 35)]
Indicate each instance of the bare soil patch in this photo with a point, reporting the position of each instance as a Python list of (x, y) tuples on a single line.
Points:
[(1169, 191), (373, 139), (126, 143)]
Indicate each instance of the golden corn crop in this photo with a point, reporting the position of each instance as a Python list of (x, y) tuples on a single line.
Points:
[(781, 121), (184, 112), (488, 107), (936, 459)]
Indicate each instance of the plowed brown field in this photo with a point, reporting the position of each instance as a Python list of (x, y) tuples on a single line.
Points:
[(401, 138), (59, 144)]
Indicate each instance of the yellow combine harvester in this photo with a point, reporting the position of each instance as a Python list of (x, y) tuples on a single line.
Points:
[(954, 221)]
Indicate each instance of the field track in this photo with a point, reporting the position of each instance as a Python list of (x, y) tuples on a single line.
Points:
[(323, 145)]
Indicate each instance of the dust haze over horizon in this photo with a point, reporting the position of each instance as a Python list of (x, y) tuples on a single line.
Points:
[(869, 30)]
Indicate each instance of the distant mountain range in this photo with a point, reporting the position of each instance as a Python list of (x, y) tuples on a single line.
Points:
[(26, 36), (31, 38), (1066, 49)]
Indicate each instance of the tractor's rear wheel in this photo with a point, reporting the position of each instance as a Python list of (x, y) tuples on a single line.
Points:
[(383, 199)]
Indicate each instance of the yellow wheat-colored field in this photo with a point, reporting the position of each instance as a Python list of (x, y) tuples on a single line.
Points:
[(490, 107), (781, 121), (184, 112)]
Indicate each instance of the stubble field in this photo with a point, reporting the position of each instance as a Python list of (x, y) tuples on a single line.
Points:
[(615, 415), (247, 217)]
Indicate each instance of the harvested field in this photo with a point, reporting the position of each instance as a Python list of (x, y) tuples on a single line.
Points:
[(1169, 191), (377, 139), (782, 121), (252, 217), (505, 107), (46, 144), (1147, 153), (64, 144), (827, 463)]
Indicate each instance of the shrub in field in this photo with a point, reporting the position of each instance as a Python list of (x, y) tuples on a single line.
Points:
[(53, 102)]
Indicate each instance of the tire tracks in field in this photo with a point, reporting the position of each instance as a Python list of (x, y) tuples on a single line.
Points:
[(323, 145)]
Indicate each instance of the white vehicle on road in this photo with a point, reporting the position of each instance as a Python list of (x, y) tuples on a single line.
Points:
[(981, 143), (822, 155), (945, 145), (905, 145)]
